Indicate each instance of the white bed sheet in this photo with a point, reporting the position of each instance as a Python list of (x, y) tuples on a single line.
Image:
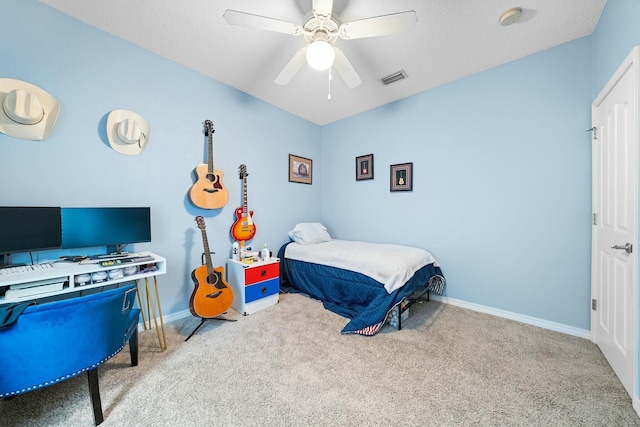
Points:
[(392, 265)]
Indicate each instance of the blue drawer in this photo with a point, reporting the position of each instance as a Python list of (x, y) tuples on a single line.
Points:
[(261, 290)]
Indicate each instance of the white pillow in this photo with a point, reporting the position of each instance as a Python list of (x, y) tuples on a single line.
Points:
[(309, 233)]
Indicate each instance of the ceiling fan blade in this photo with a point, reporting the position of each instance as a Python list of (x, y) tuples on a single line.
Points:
[(292, 68), (378, 25), (243, 19), (346, 70), (322, 8)]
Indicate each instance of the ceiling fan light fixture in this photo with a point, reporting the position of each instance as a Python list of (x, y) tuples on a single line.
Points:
[(320, 55)]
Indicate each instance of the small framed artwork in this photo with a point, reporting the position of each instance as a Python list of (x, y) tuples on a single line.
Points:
[(300, 169), (364, 167), (402, 177)]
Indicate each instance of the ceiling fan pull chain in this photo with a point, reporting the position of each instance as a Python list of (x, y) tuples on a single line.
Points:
[(329, 97)]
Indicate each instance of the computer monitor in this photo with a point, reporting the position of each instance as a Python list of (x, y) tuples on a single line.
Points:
[(29, 228), (113, 227)]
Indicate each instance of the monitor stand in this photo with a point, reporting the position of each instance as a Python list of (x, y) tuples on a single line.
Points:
[(114, 255), (113, 252), (116, 249)]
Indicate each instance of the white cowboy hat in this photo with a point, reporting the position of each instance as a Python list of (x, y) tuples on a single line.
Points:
[(128, 132), (26, 111)]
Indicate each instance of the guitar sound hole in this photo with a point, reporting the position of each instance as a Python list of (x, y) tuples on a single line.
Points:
[(212, 279)]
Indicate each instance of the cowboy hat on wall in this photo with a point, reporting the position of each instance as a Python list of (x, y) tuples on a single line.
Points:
[(27, 112), (128, 132)]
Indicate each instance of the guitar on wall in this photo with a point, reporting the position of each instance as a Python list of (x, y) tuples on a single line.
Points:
[(209, 192), (212, 295), (244, 228)]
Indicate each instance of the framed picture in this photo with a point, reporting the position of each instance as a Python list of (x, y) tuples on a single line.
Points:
[(300, 169), (402, 177), (364, 167)]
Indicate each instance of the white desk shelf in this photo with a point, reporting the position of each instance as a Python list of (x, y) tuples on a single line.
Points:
[(67, 273)]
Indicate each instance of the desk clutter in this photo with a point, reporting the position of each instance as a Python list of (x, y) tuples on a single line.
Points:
[(104, 275), (63, 277), (118, 261)]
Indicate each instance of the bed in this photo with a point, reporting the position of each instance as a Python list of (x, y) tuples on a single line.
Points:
[(367, 283)]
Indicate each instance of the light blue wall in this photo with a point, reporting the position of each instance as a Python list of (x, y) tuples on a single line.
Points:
[(92, 73), (617, 33), (501, 193)]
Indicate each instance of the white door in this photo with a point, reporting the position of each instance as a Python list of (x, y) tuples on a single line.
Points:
[(615, 201)]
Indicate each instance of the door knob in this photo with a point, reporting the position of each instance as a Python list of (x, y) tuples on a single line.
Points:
[(628, 247)]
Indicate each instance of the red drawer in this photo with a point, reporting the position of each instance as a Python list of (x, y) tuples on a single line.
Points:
[(259, 273)]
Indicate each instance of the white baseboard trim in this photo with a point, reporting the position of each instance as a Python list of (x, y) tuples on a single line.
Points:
[(165, 318), (546, 324), (176, 316), (636, 405)]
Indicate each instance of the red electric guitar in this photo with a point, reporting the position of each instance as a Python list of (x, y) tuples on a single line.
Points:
[(212, 295), (244, 228), (209, 192)]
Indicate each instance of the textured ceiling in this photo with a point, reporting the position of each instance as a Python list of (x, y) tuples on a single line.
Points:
[(452, 39)]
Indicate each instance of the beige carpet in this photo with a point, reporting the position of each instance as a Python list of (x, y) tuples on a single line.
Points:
[(288, 365)]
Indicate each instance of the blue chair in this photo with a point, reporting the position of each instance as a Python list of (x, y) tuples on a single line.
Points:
[(55, 341)]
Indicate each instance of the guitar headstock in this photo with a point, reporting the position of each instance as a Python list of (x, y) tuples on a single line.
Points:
[(243, 171), (200, 222), (208, 127)]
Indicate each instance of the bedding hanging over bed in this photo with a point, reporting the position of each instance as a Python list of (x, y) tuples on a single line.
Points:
[(358, 280)]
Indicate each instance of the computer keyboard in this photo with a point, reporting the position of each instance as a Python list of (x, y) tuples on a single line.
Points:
[(25, 269)]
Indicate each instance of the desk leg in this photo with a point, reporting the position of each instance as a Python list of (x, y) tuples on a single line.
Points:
[(164, 337), (144, 321), (163, 346)]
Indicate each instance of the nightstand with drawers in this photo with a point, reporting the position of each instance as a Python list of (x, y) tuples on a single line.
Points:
[(255, 286)]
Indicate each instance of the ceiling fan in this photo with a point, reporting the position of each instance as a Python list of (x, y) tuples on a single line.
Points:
[(321, 29)]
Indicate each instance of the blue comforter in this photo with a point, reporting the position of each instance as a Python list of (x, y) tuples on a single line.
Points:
[(353, 295)]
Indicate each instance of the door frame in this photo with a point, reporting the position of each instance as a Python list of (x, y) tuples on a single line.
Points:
[(632, 59)]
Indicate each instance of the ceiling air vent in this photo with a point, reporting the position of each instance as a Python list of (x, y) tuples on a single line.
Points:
[(399, 75)]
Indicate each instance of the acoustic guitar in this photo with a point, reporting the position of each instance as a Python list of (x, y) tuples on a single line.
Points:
[(212, 295), (244, 228), (208, 192)]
